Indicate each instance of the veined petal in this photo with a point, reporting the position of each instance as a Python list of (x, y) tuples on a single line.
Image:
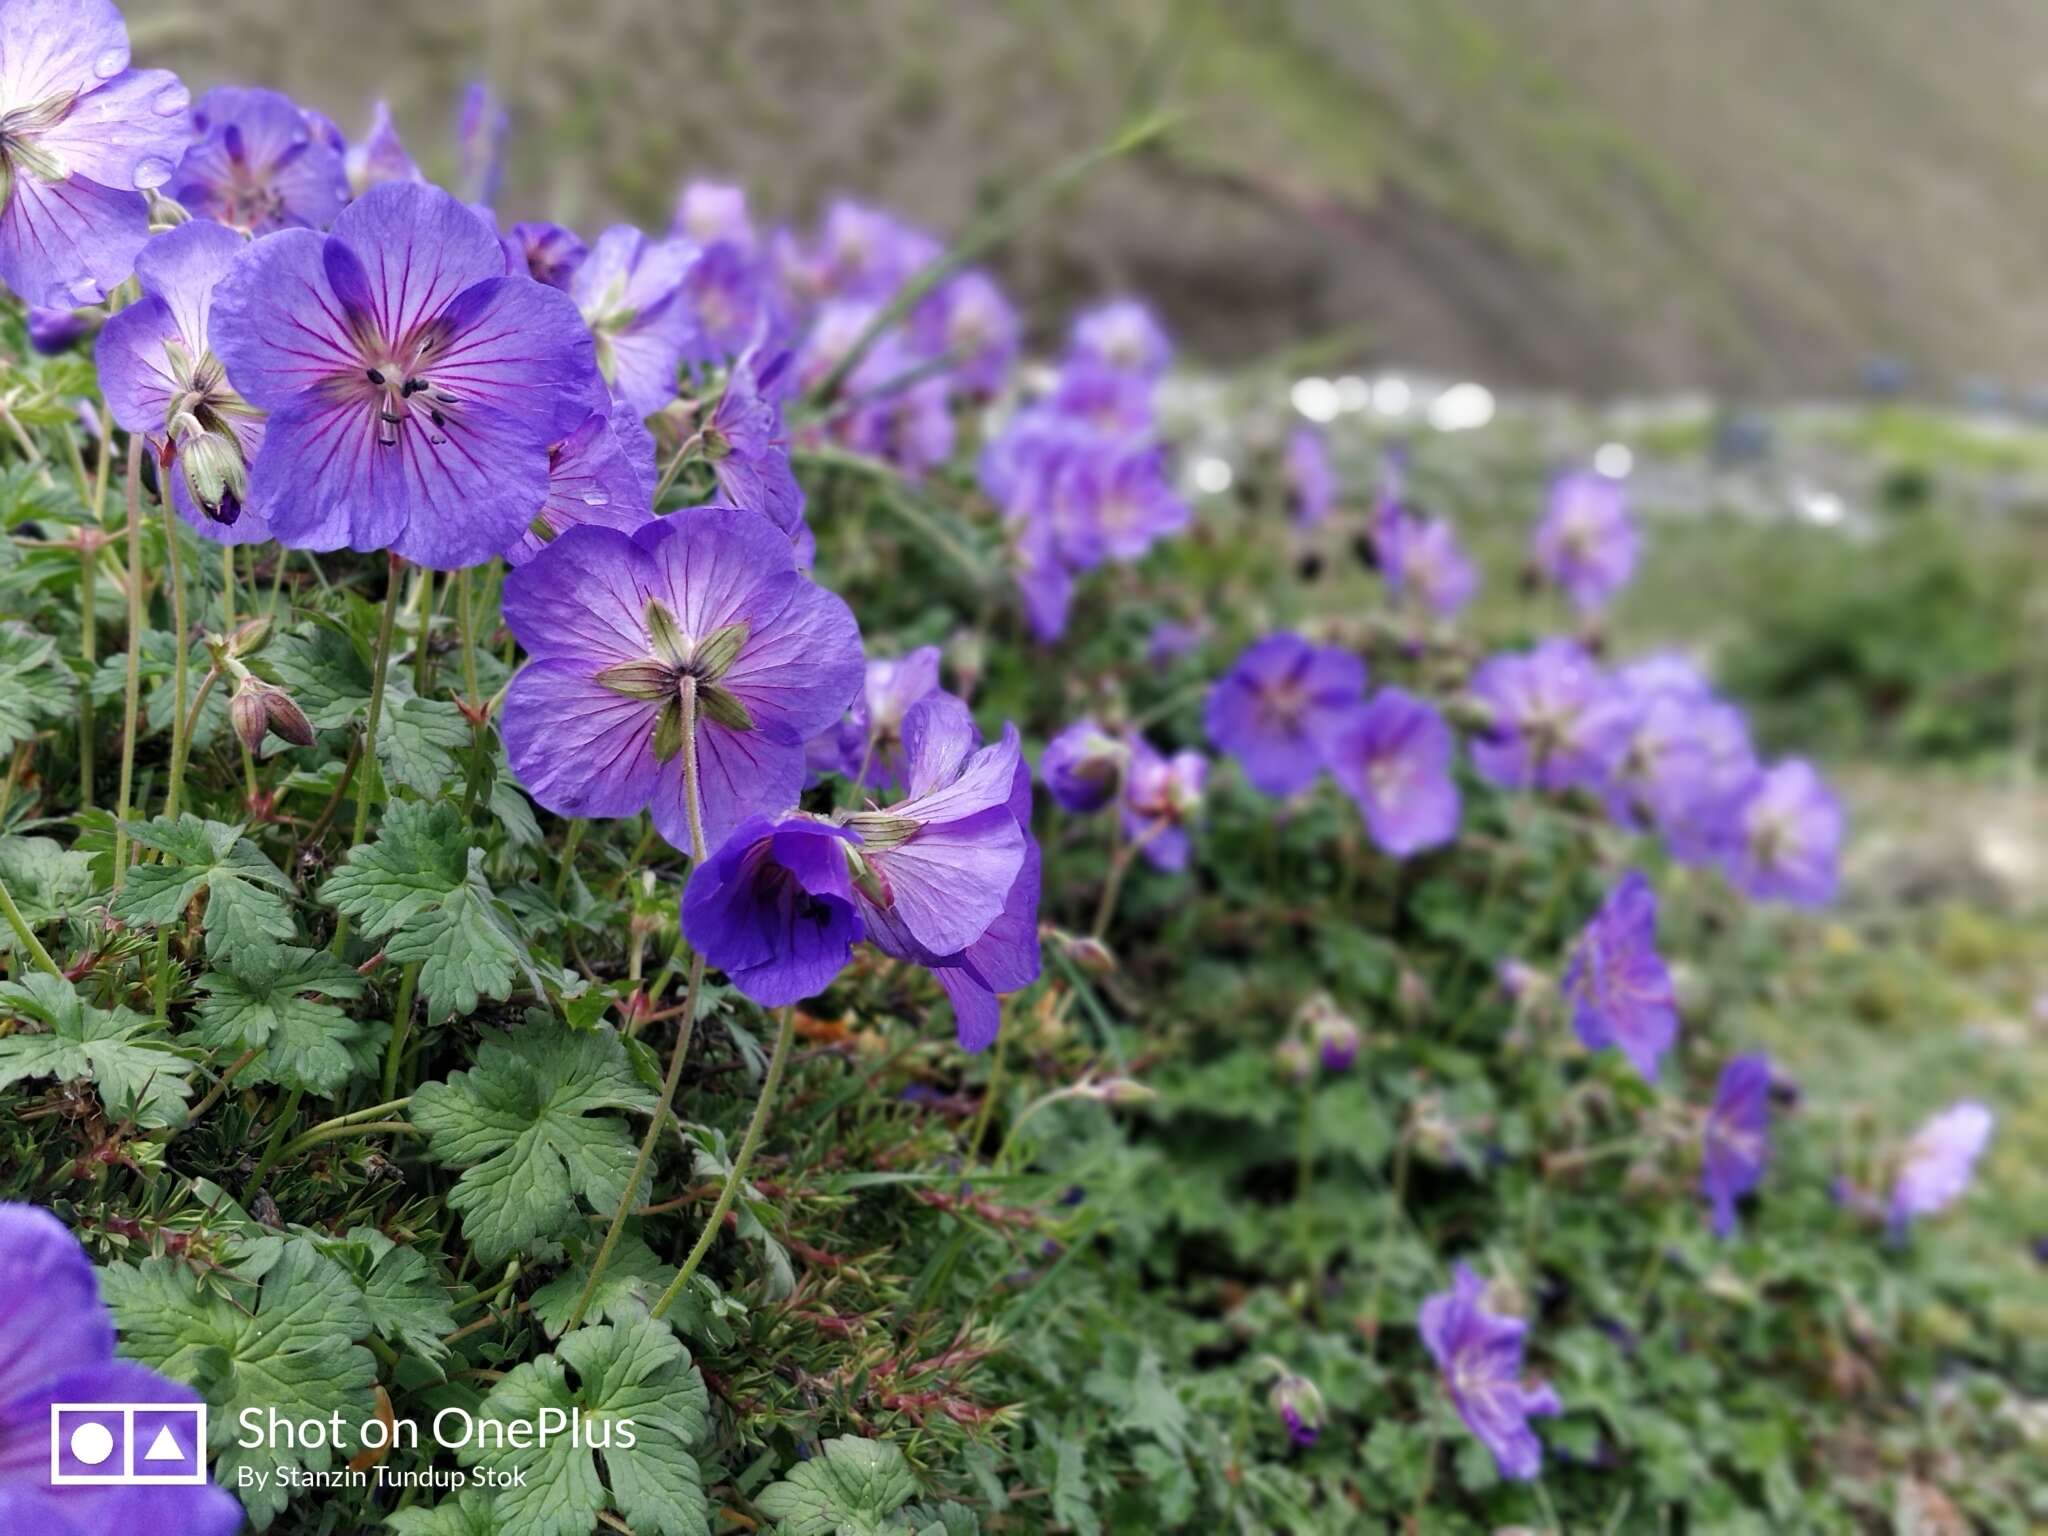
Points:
[(51, 47), (801, 665), (135, 370), (281, 330), (949, 882), (183, 267), (67, 243), (420, 248), (579, 748), (585, 599), (712, 566), (740, 774), (128, 133)]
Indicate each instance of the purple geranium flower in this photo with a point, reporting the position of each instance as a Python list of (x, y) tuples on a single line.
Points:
[(1044, 582), (864, 253), (601, 473), (379, 157), (1134, 505), (1735, 1141), (1939, 1161), (548, 253), (81, 137), (1393, 757), (892, 686), (1786, 837), (57, 1346), (726, 292), (630, 291), (1161, 796), (592, 724), (1311, 481), (481, 127), (949, 875), (971, 323), (163, 380), (713, 213), (51, 331), (748, 449), (1663, 764), (414, 388), (257, 165), (1272, 708), (1122, 335), (1300, 1407), (1112, 402), (1554, 723), (1586, 541), (1480, 1355), (1083, 767), (1617, 985), (774, 909), (897, 409), (1423, 556)]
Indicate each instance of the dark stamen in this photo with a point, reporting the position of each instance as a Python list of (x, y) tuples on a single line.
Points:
[(375, 376), (412, 387)]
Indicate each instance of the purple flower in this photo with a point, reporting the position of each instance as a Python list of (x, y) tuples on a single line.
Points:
[(1938, 1163), (51, 331), (548, 253), (891, 687), (949, 875), (257, 164), (773, 908), (1044, 582), (726, 292), (481, 127), (1586, 541), (1480, 1355), (163, 380), (1134, 502), (1786, 837), (1735, 1141), (380, 157), (748, 449), (629, 289), (1273, 707), (1122, 335), (57, 1346), (592, 724), (1553, 720), (864, 253), (1618, 988), (1335, 1034), (601, 473), (713, 213), (1170, 640), (1161, 796), (897, 408), (1083, 766), (970, 322), (1423, 556), (1698, 828), (1663, 765), (1112, 401), (81, 137), (1311, 481), (414, 388), (1393, 757), (1299, 1406)]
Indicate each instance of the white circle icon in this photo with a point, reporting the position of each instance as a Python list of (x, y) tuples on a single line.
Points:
[(92, 1443)]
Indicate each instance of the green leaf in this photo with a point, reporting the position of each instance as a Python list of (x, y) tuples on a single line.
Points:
[(632, 1281), (632, 1379), (259, 997), (520, 1123), (34, 684), (48, 881), (401, 1296), (942, 1520), (417, 741), (328, 676), (137, 1073), (469, 1513), (851, 1490), (243, 908), (289, 1347), (422, 882)]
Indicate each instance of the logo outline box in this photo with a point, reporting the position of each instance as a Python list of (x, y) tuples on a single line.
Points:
[(128, 1477)]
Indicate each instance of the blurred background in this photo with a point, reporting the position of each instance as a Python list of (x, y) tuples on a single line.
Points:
[(1600, 195)]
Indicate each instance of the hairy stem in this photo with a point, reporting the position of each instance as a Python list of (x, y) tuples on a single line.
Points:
[(366, 777), (25, 935), (180, 641), (401, 1021), (132, 683)]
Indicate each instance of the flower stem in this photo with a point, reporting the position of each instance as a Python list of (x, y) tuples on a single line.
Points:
[(989, 1093), (777, 1060), (88, 649), (25, 935), (685, 1026), (401, 1021), (180, 642), (132, 683), (275, 1149), (181, 746), (220, 1084), (367, 769), (466, 616), (422, 646), (227, 613)]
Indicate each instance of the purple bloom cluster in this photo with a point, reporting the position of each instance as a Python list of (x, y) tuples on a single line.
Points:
[(1480, 1355), (1080, 474), (1619, 990)]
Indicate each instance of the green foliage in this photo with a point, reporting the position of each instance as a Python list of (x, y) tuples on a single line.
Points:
[(272, 999), (245, 907), (853, 1489), (34, 687), (131, 1063)]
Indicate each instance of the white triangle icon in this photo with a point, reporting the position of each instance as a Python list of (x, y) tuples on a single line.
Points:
[(164, 1447)]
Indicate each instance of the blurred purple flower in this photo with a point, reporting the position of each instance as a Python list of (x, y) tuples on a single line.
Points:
[(414, 388), (1586, 541), (1122, 335), (969, 321), (1083, 767), (51, 331), (1299, 1407), (1735, 1140), (629, 289), (1111, 401), (613, 623), (1423, 556), (1311, 481), (1480, 1355), (749, 450), (482, 126), (162, 379), (1554, 721), (257, 164), (1171, 639), (897, 409), (1272, 709), (57, 1346), (1393, 757), (1619, 991), (547, 253), (871, 738), (713, 213), (1134, 504), (860, 253), (379, 157), (82, 136), (1939, 1162), (1161, 797), (1786, 837), (774, 909), (601, 473), (726, 293)]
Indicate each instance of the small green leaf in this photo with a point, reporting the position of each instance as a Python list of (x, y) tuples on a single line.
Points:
[(133, 1067), (417, 741), (34, 685), (259, 997), (243, 906), (48, 881), (851, 1490), (400, 1294)]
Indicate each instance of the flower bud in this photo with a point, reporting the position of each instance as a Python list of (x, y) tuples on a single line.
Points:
[(287, 721), (215, 474), (1090, 954), (1293, 1059), (1411, 996), (258, 707), (1337, 1041), (247, 714), (1300, 1407), (1116, 1091)]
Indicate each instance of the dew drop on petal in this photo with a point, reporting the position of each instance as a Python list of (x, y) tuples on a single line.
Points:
[(596, 499), (171, 100), (152, 171), (110, 63)]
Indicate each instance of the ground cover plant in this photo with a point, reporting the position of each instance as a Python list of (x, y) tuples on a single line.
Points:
[(647, 887)]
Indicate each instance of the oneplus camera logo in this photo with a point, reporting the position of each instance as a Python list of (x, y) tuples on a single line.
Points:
[(127, 1445)]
